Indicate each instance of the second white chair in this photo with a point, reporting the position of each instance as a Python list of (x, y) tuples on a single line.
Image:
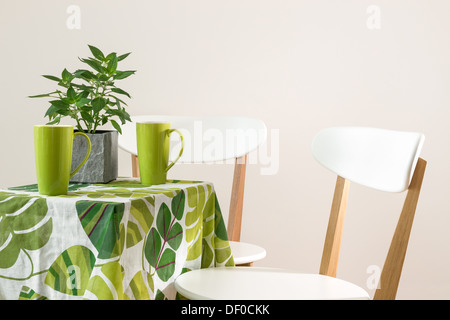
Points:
[(226, 138), (380, 159)]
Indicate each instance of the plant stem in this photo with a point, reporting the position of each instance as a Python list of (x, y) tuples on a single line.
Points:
[(79, 125), (88, 128)]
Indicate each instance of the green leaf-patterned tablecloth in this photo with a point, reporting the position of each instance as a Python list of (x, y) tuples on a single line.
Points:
[(121, 240)]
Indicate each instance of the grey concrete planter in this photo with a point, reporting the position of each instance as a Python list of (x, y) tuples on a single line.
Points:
[(102, 164)]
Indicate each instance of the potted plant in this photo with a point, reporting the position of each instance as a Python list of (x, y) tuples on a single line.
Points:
[(91, 98)]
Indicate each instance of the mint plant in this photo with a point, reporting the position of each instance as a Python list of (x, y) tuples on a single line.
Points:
[(90, 97)]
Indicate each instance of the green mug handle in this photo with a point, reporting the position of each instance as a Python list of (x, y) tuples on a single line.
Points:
[(169, 132), (87, 154)]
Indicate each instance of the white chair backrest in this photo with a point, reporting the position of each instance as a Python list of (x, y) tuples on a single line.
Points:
[(207, 138), (377, 158)]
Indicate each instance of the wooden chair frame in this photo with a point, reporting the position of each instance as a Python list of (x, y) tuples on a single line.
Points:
[(390, 275)]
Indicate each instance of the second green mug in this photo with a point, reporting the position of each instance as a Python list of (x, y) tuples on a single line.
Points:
[(53, 153), (153, 146)]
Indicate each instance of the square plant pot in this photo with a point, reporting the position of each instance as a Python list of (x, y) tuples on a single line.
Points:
[(102, 164)]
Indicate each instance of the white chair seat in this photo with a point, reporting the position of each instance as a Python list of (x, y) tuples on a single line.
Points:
[(246, 253), (243, 283)]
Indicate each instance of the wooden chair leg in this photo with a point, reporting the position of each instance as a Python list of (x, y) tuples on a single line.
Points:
[(249, 264), (392, 269), (134, 165), (237, 200), (330, 256)]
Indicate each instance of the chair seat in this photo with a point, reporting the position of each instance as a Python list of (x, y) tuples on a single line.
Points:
[(246, 253), (243, 283)]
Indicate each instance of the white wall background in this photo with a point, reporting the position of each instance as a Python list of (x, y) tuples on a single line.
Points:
[(299, 65)]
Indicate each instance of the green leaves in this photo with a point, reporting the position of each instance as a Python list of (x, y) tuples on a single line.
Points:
[(98, 104), (112, 63), (116, 126), (89, 96), (19, 216), (66, 76), (97, 53), (123, 74), (178, 205), (71, 271), (120, 58), (52, 78), (120, 91), (101, 222), (166, 238)]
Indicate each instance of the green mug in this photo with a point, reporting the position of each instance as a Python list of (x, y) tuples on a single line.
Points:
[(53, 153), (153, 145)]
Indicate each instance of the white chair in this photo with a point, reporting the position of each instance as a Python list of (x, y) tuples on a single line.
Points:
[(377, 158), (210, 139)]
